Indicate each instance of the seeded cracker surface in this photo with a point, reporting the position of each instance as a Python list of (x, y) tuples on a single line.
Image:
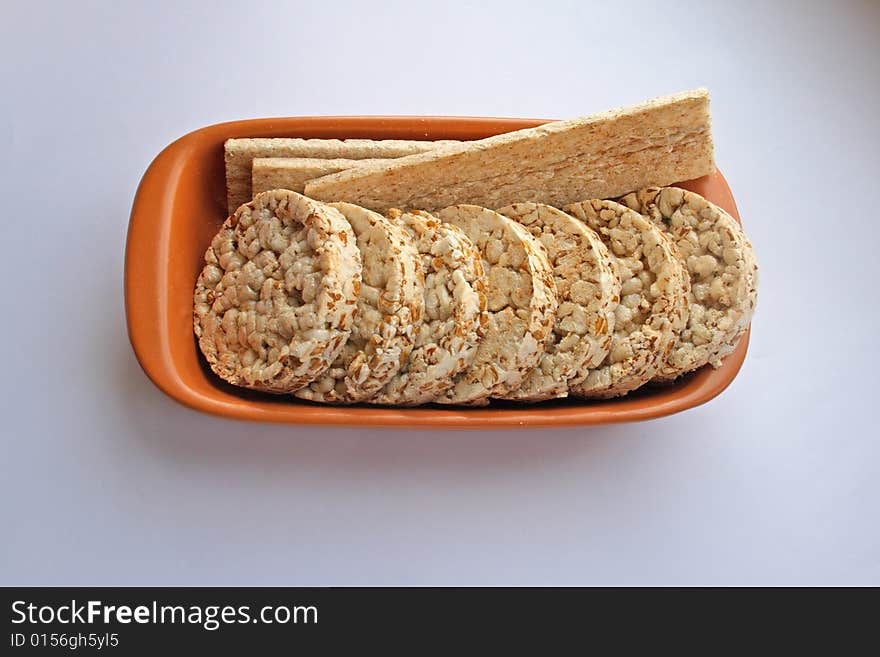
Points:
[(455, 302), (277, 297), (521, 295), (390, 307), (722, 271), (653, 298), (588, 290)]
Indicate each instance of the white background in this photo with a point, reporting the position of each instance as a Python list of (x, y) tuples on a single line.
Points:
[(104, 480)]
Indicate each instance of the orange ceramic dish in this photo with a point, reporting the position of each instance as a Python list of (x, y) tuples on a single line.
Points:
[(181, 203)]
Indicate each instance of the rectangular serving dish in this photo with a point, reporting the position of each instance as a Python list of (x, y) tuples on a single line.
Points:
[(180, 204)]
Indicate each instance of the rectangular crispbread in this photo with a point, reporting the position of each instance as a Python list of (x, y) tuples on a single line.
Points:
[(240, 153), (293, 172), (609, 154)]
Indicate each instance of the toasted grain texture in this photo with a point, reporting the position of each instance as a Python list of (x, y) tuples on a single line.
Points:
[(722, 271), (657, 142), (588, 291), (521, 305), (293, 172), (390, 305), (455, 302), (240, 153), (653, 298), (277, 298)]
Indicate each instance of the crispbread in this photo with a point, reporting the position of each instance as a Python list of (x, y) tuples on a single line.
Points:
[(521, 297), (657, 142), (390, 307), (588, 291), (653, 298), (721, 269), (455, 302), (293, 172), (277, 297), (239, 153)]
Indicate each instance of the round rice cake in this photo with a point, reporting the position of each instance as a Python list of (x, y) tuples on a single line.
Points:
[(277, 298), (746, 319), (653, 298), (722, 271), (588, 291), (521, 305), (455, 299), (390, 307)]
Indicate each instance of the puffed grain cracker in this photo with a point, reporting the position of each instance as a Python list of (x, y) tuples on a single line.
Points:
[(277, 298), (588, 291), (455, 304), (721, 268), (390, 308), (653, 298), (521, 305)]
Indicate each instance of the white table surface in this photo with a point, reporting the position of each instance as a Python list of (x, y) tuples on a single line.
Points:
[(104, 480)]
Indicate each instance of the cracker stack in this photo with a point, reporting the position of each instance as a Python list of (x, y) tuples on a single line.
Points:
[(562, 291)]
